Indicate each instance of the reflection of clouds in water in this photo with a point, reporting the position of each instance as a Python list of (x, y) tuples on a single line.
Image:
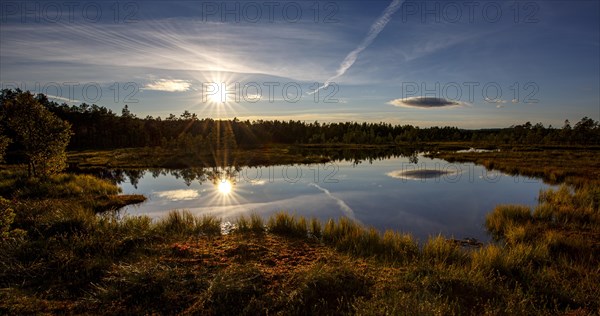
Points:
[(343, 206), (419, 223), (490, 176), (232, 211), (477, 150), (422, 174), (178, 195), (315, 205)]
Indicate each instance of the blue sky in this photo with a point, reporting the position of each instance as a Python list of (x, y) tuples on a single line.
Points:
[(472, 64)]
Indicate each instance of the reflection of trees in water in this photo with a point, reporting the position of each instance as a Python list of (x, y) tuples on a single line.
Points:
[(230, 174), (414, 158), (358, 155), (201, 174), (188, 175), (134, 176), (119, 176), (216, 174)]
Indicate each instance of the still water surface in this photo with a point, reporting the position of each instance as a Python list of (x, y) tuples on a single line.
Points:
[(427, 198)]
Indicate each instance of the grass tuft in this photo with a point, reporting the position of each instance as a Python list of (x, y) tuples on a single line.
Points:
[(327, 289), (439, 250), (285, 224), (315, 228), (184, 222), (254, 224), (503, 216)]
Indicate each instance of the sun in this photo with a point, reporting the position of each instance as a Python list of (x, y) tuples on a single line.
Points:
[(218, 97), (224, 186)]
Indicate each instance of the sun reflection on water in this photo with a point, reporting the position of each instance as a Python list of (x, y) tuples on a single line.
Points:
[(224, 186)]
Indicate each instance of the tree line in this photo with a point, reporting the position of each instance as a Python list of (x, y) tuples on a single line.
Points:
[(96, 127), (27, 120)]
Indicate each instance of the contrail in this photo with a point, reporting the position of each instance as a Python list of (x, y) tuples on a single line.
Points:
[(376, 28), (345, 208)]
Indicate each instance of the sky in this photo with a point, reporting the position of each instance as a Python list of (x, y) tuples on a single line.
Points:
[(470, 64)]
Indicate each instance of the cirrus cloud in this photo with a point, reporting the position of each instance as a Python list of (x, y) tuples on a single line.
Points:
[(169, 85), (426, 103)]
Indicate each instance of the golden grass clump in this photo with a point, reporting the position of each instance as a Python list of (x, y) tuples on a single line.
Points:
[(503, 216)]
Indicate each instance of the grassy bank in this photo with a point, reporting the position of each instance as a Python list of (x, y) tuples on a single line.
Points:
[(157, 157), (69, 260), (85, 190), (276, 154), (575, 166)]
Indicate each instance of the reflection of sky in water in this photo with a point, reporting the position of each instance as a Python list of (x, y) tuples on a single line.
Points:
[(452, 203), (178, 195)]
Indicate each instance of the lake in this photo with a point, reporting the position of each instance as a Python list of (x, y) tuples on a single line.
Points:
[(425, 197)]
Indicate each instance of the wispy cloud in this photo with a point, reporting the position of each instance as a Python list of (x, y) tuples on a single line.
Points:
[(376, 28), (164, 47), (169, 85), (499, 102), (426, 103)]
